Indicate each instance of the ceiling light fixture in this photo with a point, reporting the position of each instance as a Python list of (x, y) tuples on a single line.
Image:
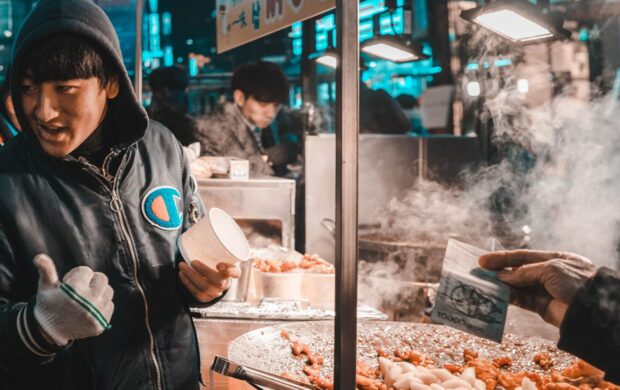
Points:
[(393, 48), (519, 21), (329, 59), (396, 48)]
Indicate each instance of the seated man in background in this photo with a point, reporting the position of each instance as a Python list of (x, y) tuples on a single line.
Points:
[(169, 103), (242, 128)]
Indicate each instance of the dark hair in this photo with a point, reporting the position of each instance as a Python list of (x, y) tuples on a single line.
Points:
[(263, 81), (66, 56), (407, 101), (172, 77)]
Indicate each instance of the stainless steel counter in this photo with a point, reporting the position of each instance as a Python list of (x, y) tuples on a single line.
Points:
[(256, 199), (214, 336), (218, 325)]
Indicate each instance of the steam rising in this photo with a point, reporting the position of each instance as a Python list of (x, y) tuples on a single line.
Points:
[(574, 197), (557, 186), (433, 212), (560, 180), (568, 193)]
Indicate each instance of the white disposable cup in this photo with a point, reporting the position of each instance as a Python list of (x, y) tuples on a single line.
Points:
[(320, 290), (284, 285), (214, 239)]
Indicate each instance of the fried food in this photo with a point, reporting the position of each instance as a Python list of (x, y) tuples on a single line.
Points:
[(543, 360), (308, 263), (412, 370)]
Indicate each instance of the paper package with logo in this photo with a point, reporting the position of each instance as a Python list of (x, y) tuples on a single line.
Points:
[(470, 298)]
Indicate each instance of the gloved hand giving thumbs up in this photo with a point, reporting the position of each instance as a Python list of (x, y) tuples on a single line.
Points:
[(79, 307)]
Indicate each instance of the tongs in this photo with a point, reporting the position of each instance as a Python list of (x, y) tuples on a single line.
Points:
[(257, 377)]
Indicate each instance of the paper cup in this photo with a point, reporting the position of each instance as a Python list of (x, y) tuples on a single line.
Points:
[(214, 239)]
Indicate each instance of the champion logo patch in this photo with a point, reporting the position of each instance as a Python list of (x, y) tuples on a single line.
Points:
[(160, 208)]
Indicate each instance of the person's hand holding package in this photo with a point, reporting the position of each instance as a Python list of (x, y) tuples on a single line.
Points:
[(543, 282), (205, 283), (78, 307)]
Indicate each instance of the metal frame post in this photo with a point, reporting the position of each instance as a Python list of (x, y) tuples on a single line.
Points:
[(138, 59), (438, 28), (347, 131), (308, 66)]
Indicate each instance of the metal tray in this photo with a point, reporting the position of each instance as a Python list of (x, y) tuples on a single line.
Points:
[(278, 310), (267, 350)]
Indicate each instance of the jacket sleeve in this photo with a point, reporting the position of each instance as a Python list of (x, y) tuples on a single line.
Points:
[(591, 326), (22, 346), (212, 138), (193, 208)]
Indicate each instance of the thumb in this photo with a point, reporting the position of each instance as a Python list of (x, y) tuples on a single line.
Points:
[(48, 277)]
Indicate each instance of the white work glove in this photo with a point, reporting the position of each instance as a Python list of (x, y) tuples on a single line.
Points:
[(79, 307)]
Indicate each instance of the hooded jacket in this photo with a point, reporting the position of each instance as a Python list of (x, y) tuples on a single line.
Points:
[(125, 227)]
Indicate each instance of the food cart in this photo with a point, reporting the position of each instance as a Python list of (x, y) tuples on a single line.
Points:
[(245, 332)]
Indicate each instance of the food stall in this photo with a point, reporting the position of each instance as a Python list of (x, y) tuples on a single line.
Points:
[(345, 274), (355, 220), (512, 143)]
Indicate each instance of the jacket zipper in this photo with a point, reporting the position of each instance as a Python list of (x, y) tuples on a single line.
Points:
[(116, 205)]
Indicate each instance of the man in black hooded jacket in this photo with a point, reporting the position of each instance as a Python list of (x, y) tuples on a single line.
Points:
[(94, 198)]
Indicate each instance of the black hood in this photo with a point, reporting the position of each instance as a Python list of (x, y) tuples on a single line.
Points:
[(86, 19)]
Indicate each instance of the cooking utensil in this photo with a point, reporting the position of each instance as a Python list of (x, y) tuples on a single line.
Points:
[(405, 283), (257, 377)]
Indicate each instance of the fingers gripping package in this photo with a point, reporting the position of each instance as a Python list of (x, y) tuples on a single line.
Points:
[(470, 298)]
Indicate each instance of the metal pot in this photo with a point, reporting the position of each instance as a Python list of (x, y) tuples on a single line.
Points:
[(405, 274)]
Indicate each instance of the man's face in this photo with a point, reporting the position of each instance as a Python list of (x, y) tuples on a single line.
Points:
[(63, 114), (258, 113)]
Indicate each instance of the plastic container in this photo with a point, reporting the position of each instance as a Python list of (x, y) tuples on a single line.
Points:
[(319, 290), (284, 285)]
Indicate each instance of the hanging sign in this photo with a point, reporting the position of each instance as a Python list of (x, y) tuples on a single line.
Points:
[(242, 21)]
